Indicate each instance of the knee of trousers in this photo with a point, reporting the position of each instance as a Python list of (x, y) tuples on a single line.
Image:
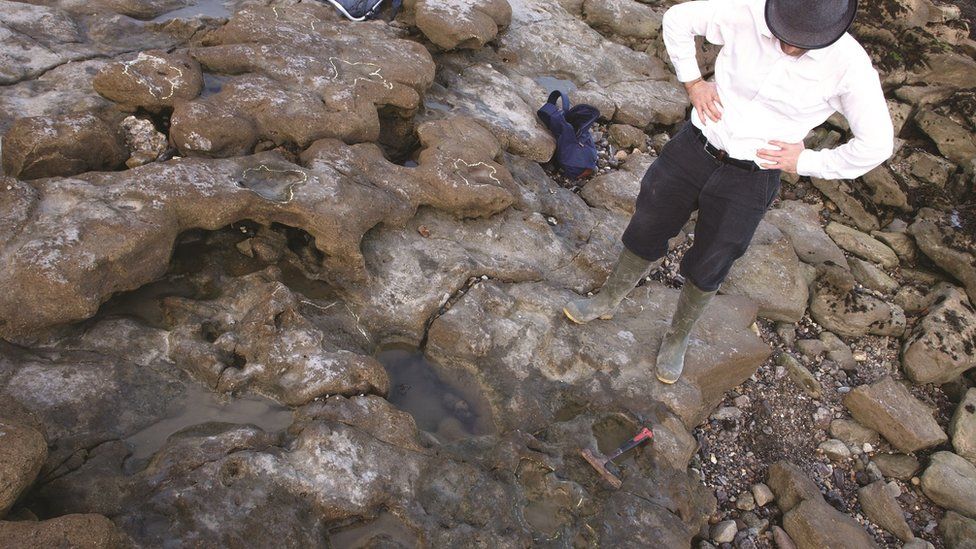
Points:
[(647, 245), (709, 271)]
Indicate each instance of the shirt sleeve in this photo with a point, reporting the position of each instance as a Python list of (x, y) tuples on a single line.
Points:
[(683, 22), (861, 101)]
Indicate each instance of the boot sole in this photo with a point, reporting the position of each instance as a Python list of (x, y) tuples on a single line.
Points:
[(569, 316), (666, 381)]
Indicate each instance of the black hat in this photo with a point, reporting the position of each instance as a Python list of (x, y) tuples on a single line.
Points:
[(810, 24)]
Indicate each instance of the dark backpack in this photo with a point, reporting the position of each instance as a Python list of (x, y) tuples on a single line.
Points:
[(361, 10), (575, 151)]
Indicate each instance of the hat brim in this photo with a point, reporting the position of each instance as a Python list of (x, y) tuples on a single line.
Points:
[(783, 27)]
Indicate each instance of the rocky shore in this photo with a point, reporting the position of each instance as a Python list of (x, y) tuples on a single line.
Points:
[(274, 278)]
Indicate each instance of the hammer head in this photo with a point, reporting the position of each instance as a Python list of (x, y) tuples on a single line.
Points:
[(599, 462)]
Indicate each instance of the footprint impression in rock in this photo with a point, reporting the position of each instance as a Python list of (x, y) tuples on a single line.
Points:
[(474, 174), (273, 183)]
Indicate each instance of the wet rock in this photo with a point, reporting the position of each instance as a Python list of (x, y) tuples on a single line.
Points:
[(899, 466), (254, 337), (885, 189), (618, 189), (542, 353), (871, 276), (887, 407), (950, 481), (791, 485), (64, 531), (22, 454), (151, 80), (467, 24), (958, 531), (943, 344), (769, 274), (840, 193), (800, 223), (61, 146), (947, 246), (800, 375), (835, 450), (853, 433), (624, 18), (883, 509), (847, 311), (815, 524), (627, 137), (962, 428), (954, 141), (862, 245)]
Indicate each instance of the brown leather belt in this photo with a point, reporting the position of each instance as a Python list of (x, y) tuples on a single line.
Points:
[(722, 156)]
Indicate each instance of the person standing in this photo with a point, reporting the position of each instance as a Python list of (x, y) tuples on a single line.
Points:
[(784, 67)]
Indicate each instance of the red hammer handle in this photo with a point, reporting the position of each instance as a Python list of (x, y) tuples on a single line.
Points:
[(644, 434)]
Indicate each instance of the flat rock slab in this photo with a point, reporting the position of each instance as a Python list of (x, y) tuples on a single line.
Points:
[(943, 344), (862, 245), (800, 222), (950, 248), (22, 453), (151, 80), (815, 524), (887, 407), (63, 145), (533, 362), (849, 311), (791, 485), (950, 481), (463, 24), (883, 509)]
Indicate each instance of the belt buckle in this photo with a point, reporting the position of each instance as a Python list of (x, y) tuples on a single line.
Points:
[(721, 156)]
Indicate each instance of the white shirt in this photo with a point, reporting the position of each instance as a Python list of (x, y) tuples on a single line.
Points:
[(769, 95)]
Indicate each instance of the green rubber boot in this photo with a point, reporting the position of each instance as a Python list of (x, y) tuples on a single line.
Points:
[(626, 274), (671, 356)]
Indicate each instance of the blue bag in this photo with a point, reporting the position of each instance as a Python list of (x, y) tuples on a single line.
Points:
[(576, 153), (361, 10)]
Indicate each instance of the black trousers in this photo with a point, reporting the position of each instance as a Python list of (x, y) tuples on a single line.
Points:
[(730, 201)]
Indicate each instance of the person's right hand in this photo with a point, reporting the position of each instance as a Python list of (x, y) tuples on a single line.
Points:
[(704, 96)]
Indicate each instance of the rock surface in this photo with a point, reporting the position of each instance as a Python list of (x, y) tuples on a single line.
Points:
[(815, 524), (22, 453), (887, 407), (882, 508), (962, 428), (61, 146), (948, 248), (943, 343), (951, 482), (462, 24), (94, 531)]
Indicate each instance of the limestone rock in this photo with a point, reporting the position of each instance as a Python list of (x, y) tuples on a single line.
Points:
[(145, 143), (953, 140), (618, 189), (943, 343), (958, 531), (800, 375), (61, 146), (37, 38), (899, 466), (930, 169), (791, 485), (624, 18), (884, 510), (627, 137), (151, 80), (769, 274), (94, 531), (887, 407), (814, 524), (885, 189), (963, 427), (950, 481), (901, 243), (762, 494), (862, 245), (22, 453), (871, 276), (842, 309), (853, 433), (948, 247), (468, 24), (800, 222), (835, 450), (841, 194)]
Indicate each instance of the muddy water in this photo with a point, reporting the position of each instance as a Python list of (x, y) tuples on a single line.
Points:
[(445, 405), (216, 9), (200, 405)]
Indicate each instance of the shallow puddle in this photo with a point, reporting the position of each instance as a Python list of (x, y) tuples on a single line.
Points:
[(447, 406), (551, 84), (380, 532), (273, 183), (216, 9), (200, 405)]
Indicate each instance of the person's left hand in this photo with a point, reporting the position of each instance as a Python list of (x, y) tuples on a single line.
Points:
[(784, 158)]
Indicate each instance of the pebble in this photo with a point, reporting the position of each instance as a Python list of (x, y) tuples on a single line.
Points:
[(745, 502), (727, 413), (724, 532), (741, 401), (867, 448), (762, 494), (621, 155)]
